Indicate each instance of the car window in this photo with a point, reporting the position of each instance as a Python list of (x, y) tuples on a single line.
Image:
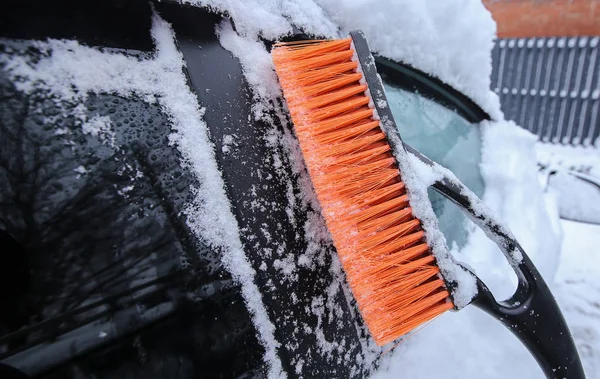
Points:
[(92, 194), (448, 139)]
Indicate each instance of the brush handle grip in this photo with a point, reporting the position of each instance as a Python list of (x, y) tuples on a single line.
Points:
[(537, 322), (532, 313)]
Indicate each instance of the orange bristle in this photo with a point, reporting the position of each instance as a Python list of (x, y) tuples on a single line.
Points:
[(389, 267)]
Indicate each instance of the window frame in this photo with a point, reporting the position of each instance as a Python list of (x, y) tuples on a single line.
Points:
[(413, 80)]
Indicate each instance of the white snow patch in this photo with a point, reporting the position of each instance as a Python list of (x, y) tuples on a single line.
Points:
[(514, 194), (298, 366), (125, 190), (434, 36), (577, 290), (287, 266), (100, 127), (257, 65), (584, 159), (61, 131), (272, 19), (80, 170), (228, 141)]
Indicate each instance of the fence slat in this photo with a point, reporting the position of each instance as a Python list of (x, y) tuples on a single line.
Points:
[(550, 86)]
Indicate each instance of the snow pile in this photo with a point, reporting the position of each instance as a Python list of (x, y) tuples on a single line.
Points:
[(434, 36), (577, 290), (68, 72), (271, 19), (513, 191)]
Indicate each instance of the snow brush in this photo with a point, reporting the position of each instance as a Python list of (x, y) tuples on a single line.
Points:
[(399, 274)]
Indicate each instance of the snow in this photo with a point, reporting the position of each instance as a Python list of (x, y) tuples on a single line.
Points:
[(578, 291), (68, 72), (228, 141), (100, 127), (451, 40), (256, 63), (578, 158), (435, 37), (80, 170), (271, 19)]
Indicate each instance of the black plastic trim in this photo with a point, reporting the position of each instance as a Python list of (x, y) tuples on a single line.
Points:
[(104, 23), (413, 80)]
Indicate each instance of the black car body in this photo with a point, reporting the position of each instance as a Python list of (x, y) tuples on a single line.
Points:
[(102, 275)]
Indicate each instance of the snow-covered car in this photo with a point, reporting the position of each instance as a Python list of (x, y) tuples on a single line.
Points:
[(150, 176)]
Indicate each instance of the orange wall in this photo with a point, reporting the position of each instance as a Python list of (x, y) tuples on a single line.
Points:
[(544, 18)]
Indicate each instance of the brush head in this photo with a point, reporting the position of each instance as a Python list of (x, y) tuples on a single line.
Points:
[(389, 266)]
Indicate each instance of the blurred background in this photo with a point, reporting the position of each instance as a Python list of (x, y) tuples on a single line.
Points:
[(546, 67)]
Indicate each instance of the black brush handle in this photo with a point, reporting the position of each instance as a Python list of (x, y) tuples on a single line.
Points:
[(537, 322), (532, 313)]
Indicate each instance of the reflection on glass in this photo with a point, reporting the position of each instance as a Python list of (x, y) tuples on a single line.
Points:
[(447, 138)]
